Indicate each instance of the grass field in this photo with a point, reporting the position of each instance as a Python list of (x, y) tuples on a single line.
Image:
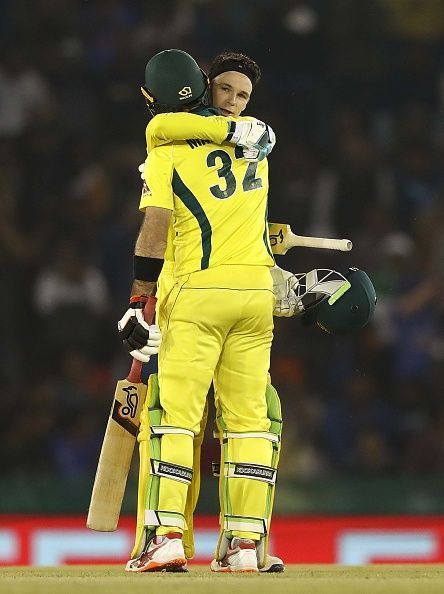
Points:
[(300, 579)]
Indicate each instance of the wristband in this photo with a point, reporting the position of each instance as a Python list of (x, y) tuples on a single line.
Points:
[(147, 269)]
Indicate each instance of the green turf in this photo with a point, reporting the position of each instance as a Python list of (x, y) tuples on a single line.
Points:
[(300, 579)]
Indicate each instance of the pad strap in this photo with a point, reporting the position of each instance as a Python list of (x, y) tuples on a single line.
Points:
[(182, 474), (167, 429), (157, 517), (245, 524), (251, 434), (258, 472)]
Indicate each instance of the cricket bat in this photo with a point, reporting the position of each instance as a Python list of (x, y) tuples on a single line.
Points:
[(282, 239), (118, 445)]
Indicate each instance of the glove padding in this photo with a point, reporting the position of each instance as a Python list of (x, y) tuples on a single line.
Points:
[(257, 138), (141, 339), (254, 155), (284, 285), (302, 292)]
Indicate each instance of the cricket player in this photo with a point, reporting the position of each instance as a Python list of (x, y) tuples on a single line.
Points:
[(218, 322), (232, 78)]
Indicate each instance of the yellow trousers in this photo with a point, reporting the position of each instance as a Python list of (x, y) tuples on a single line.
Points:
[(219, 324)]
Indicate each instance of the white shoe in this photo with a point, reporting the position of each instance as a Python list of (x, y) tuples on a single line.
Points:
[(162, 553), (273, 565), (240, 557)]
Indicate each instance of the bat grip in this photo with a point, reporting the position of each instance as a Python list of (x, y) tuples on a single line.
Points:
[(136, 366)]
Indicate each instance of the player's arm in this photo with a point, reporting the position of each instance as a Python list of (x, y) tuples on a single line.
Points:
[(150, 246), (157, 202), (249, 133), (166, 127)]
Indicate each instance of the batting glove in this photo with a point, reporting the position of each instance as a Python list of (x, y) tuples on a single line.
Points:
[(257, 138), (254, 155), (140, 338), (284, 284)]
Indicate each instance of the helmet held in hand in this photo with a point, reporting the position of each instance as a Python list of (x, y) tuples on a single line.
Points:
[(348, 309)]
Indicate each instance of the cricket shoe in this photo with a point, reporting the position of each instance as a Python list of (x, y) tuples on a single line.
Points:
[(162, 553), (273, 565), (240, 557)]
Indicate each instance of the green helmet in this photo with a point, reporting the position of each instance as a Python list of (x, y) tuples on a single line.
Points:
[(346, 310), (173, 80)]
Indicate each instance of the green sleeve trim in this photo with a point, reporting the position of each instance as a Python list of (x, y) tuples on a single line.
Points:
[(193, 205), (265, 235)]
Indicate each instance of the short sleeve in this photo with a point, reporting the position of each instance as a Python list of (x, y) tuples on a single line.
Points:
[(158, 174)]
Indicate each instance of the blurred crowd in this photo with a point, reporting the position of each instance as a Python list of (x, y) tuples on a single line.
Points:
[(354, 90)]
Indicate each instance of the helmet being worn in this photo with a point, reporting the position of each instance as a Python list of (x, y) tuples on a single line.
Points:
[(173, 80), (338, 304)]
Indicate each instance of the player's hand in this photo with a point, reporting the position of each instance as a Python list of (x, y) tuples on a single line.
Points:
[(254, 154), (257, 138), (141, 169), (284, 284), (139, 338)]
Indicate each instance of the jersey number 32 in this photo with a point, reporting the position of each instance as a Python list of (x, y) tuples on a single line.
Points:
[(223, 160)]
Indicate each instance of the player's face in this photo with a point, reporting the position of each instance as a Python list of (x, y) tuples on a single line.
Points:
[(231, 92)]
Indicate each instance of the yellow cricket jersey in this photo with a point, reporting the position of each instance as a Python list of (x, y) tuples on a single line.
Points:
[(167, 127), (219, 200)]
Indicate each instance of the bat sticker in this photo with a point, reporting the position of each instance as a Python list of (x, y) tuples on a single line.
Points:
[(278, 238), (124, 422), (132, 400)]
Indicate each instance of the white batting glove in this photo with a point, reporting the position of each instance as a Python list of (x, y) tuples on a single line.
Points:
[(248, 132), (141, 169), (257, 138), (140, 338), (284, 285), (254, 155)]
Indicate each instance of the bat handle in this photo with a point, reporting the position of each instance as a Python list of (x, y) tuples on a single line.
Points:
[(136, 366)]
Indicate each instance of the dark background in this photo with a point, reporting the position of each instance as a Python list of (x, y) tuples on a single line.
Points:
[(354, 90)]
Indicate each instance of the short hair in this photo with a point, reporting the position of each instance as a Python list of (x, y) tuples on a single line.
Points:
[(235, 61)]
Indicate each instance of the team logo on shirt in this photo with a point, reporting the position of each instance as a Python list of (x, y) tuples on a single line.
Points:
[(185, 93), (145, 190)]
